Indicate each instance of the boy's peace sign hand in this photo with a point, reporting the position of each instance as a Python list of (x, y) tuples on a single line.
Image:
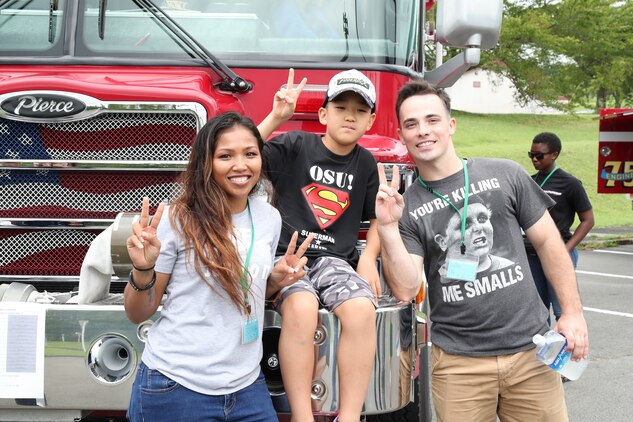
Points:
[(389, 202), (143, 246), (285, 99)]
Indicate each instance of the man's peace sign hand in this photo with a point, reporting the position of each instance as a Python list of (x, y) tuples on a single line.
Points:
[(389, 202)]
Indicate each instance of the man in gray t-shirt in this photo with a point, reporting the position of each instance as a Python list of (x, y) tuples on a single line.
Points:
[(502, 296), (460, 225)]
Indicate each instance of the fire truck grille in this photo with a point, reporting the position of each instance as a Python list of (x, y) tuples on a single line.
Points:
[(50, 212), (108, 136), (43, 252), (88, 195)]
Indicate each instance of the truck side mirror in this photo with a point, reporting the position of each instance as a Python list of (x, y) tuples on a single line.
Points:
[(467, 23), (472, 25)]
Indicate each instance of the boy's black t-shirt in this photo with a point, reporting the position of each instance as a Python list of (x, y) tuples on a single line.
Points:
[(321, 192)]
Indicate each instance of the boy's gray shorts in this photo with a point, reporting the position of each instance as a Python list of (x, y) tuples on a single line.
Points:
[(332, 281)]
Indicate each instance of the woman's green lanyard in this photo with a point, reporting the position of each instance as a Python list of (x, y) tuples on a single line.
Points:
[(549, 175), (244, 276), (250, 330), (463, 215)]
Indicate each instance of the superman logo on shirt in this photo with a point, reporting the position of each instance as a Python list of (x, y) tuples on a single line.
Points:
[(326, 203)]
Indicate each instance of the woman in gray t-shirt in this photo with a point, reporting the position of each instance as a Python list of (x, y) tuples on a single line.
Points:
[(213, 258)]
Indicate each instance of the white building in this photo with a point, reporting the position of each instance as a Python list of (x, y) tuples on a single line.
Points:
[(481, 91)]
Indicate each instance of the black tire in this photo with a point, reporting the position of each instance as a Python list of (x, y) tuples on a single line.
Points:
[(415, 411)]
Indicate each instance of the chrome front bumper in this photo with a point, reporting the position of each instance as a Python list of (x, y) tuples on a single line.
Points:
[(91, 354), (391, 383)]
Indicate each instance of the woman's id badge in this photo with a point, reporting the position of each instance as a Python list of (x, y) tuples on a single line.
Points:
[(463, 267), (250, 331)]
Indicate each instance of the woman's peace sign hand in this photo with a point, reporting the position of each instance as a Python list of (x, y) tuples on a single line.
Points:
[(289, 268), (143, 246)]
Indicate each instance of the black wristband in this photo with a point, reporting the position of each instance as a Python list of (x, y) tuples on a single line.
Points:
[(142, 269), (147, 287)]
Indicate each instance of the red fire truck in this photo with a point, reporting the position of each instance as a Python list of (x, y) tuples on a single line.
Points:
[(615, 155), (99, 103)]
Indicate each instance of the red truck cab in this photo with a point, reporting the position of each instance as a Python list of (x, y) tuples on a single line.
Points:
[(615, 154), (99, 103)]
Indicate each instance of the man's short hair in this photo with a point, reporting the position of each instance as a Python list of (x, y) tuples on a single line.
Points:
[(550, 139), (421, 87)]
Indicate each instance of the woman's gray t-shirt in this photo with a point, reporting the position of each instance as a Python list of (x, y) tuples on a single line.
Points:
[(197, 340)]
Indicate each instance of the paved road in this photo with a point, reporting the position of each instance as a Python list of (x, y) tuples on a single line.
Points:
[(605, 391)]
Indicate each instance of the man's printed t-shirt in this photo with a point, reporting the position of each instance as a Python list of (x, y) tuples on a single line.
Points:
[(500, 311), (321, 192)]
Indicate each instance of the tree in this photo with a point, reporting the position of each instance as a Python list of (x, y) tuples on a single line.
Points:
[(578, 49)]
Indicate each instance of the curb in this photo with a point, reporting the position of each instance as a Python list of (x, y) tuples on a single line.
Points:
[(598, 243)]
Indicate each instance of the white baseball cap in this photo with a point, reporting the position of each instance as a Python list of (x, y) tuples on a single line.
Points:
[(351, 80)]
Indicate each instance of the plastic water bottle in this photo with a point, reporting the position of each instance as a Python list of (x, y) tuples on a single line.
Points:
[(550, 349)]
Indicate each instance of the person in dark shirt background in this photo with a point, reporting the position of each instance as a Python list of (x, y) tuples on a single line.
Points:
[(571, 200)]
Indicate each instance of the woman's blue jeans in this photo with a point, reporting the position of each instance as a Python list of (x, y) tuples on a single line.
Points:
[(156, 398)]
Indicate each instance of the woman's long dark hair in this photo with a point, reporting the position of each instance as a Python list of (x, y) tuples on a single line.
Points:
[(202, 211)]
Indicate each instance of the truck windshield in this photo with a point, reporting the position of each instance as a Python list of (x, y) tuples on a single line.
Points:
[(31, 27), (376, 31)]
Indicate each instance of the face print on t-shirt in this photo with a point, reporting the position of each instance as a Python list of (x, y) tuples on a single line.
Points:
[(478, 237)]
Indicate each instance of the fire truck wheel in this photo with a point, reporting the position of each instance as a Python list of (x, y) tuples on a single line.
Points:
[(410, 413)]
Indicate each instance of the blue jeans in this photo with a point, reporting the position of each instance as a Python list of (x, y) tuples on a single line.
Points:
[(156, 397), (545, 289)]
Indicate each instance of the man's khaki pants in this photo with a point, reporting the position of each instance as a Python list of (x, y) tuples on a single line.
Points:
[(516, 388)]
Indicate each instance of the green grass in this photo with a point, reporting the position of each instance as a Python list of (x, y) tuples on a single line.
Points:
[(64, 348), (510, 136)]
